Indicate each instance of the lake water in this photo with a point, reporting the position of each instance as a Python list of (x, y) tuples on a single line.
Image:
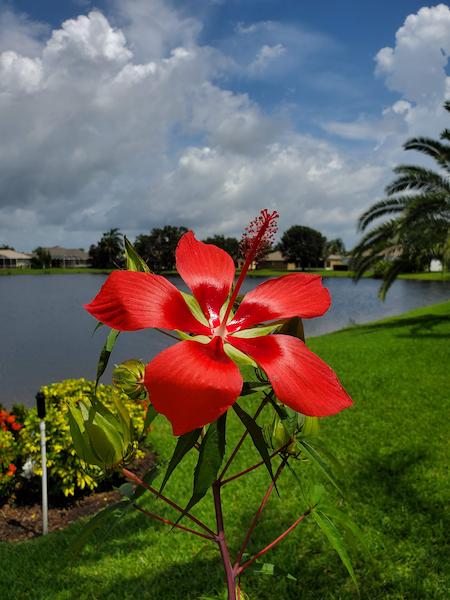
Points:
[(46, 335)]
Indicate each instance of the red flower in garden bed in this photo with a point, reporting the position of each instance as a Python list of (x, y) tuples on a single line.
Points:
[(8, 421), (195, 381), (11, 470)]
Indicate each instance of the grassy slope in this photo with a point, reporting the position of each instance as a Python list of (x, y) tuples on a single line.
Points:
[(394, 448)]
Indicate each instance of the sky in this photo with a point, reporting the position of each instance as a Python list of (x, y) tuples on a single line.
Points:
[(140, 113)]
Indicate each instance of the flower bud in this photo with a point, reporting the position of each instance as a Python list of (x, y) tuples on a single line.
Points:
[(129, 378), (280, 436), (99, 436)]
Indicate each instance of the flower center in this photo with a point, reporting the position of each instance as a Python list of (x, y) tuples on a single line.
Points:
[(220, 331)]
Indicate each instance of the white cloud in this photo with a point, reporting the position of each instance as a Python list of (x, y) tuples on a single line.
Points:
[(119, 120), (415, 68), (265, 56), (19, 34)]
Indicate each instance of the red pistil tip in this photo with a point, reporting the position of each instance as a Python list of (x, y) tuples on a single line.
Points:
[(258, 237)]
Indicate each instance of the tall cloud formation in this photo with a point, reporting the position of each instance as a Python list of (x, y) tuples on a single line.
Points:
[(126, 125), (416, 69)]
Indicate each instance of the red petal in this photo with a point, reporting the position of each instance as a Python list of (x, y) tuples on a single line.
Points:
[(296, 295), (192, 384), (299, 378), (130, 300), (208, 271)]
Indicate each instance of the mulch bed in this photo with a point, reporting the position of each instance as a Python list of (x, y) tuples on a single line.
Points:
[(20, 522)]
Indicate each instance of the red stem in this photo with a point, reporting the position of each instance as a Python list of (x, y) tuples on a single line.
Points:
[(241, 441), (135, 479), (258, 513), (253, 467), (176, 525), (221, 540), (272, 544)]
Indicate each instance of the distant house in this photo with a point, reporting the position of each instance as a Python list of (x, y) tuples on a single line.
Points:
[(68, 257), (337, 262), (13, 259), (436, 266), (392, 253), (275, 260)]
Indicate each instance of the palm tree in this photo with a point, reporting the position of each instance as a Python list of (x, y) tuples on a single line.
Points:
[(418, 201), (108, 253), (112, 246)]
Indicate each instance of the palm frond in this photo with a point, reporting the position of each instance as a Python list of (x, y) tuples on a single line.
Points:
[(445, 135), (395, 268), (419, 179), (434, 148), (428, 206), (383, 208)]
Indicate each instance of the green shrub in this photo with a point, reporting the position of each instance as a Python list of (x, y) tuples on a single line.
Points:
[(8, 459), (67, 475)]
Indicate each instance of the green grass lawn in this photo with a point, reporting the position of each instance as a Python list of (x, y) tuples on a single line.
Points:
[(394, 448)]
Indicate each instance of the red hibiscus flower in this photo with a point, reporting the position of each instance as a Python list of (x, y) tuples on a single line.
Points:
[(195, 381)]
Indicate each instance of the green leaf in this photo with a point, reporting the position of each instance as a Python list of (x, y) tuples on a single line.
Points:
[(294, 327), (100, 520), (106, 353), (201, 339), (195, 308), (210, 457), (96, 328), (185, 443), (289, 418), (134, 262), (254, 387), (316, 458), (336, 540), (353, 534), (151, 415), (258, 331), (240, 358), (273, 570), (256, 433)]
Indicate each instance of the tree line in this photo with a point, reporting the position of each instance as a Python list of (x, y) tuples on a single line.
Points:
[(304, 246)]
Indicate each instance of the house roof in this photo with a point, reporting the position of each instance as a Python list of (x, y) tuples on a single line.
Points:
[(57, 252), (275, 255), (12, 254)]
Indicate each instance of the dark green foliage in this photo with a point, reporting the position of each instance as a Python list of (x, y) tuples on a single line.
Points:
[(303, 245), (41, 258), (335, 246), (229, 244), (256, 434), (158, 248), (134, 262), (210, 457), (108, 253), (185, 443), (105, 353)]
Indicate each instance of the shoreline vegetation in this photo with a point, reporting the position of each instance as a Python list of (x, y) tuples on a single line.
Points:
[(424, 276), (397, 488)]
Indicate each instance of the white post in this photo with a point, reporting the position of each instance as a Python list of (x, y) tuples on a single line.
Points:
[(44, 479), (40, 404)]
